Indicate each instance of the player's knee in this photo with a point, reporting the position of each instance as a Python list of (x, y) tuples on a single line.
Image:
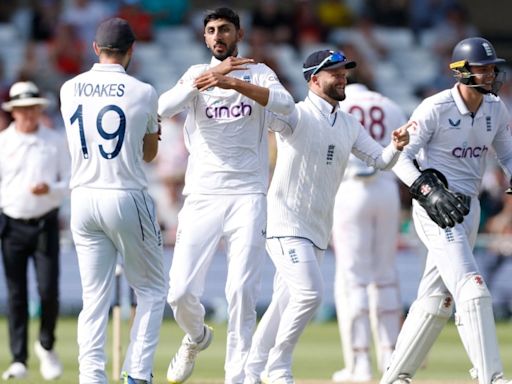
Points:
[(387, 299), (177, 296), (439, 305), (472, 287), (310, 299)]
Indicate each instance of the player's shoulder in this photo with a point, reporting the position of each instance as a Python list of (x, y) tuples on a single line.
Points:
[(438, 102)]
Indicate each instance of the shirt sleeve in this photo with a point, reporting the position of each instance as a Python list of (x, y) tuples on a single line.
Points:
[(152, 126), (372, 153), (177, 98), (279, 99), (285, 125), (420, 134), (60, 187)]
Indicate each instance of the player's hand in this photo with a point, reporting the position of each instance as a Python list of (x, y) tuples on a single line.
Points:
[(40, 189), (400, 136), (212, 79), (231, 63), (445, 207)]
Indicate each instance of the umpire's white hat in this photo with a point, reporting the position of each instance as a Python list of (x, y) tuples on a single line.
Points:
[(24, 94)]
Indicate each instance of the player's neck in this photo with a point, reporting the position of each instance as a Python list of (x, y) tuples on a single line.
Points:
[(472, 98)]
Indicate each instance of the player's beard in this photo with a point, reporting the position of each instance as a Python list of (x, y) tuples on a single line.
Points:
[(334, 93), (230, 51)]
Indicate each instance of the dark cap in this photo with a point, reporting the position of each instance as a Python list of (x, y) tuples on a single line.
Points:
[(325, 59), (115, 34)]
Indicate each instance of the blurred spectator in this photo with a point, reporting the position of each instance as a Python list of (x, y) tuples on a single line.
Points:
[(389, 13), (5, 117), (262, 50), (85, 15), (443, 79), (307, 28), (166, 12), (335, 13), (425, 14), (455, 27), (363, 73), (66, 52), (140, 20), (273, 22), (499, 227), (44, 19)]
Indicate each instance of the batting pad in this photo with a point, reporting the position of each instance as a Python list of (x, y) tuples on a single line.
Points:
[(475, 322), (421, 328)]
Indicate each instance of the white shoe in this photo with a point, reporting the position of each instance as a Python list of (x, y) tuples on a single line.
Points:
[(50, 366), (182, 364), (345, 375), (252, 380), (16, 370), (403, 379), (281, 380), (499, 379)]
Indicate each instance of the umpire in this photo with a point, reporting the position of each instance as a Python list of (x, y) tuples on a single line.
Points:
[(34, 178)]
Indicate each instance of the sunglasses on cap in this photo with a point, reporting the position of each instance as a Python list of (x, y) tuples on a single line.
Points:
[(333, 58)]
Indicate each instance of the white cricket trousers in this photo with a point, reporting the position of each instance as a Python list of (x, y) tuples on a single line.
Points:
[(202, 222), (297, 293), (105, 223)]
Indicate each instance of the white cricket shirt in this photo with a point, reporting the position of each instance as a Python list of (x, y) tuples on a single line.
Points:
[(27, 159), (107, 113), (225, 131), (448, 138), (313, 146)]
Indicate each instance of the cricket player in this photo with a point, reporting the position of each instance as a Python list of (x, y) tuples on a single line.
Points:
[(112, 127), (225, 186), (455, 131), (364, 236), (313, 146)]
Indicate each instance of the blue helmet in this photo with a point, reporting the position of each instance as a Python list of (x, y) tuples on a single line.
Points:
[(475, 51)]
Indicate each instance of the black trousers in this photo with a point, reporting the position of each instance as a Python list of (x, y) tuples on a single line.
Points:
[(22, 240)]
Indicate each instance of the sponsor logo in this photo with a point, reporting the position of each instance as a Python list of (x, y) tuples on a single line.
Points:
[(454, 124), (247, 78), (478, 280), (227, 112), (469, 152), (447, 303)]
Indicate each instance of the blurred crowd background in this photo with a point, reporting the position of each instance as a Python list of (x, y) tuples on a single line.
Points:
[(402, 47)]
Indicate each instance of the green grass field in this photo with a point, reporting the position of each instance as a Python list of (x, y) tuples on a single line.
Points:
[(316, 357)]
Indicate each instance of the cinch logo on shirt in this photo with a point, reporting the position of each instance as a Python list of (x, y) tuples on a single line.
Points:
[(469, 152), (226, 112)]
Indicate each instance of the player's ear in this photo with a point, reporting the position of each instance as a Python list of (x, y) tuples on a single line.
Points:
[(96, 48), (240, 34)]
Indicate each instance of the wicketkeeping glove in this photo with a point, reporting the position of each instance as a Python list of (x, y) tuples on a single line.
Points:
[(444, 207)]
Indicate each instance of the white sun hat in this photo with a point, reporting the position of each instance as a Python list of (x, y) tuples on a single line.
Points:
[(24, 94)]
